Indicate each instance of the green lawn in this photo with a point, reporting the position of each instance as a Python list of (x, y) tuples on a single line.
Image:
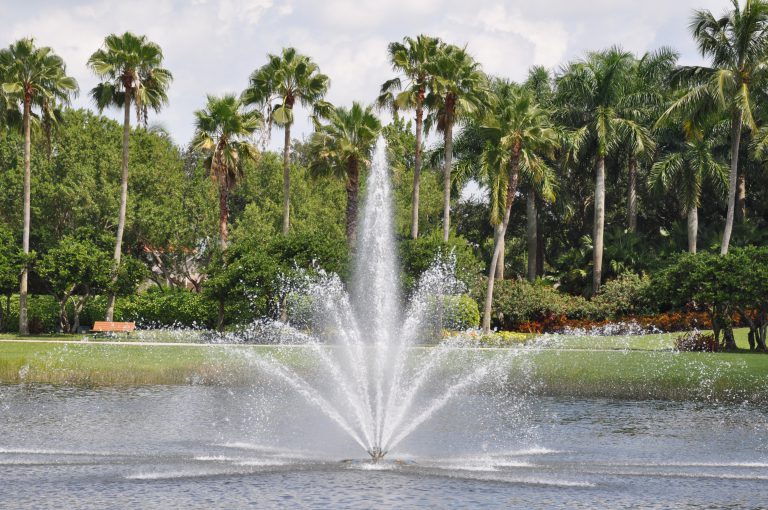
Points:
[(661, 341), (621, 368)]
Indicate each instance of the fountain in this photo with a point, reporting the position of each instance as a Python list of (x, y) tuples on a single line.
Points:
[(372, 369)]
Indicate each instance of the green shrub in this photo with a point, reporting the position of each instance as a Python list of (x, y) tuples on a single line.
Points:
[(623, 296), (178, 308), (418, 255), (42, 313), (460, 313), (517, 302), (299, 309)]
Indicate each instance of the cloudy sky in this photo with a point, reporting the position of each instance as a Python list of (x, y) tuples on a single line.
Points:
[(211, 46)]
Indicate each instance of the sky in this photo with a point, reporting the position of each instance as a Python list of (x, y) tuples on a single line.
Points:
[(212, 46)]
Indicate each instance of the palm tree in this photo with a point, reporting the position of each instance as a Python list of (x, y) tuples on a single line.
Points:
[(412, 58), (35, 78), (276, 86), (520, 134), (737, 45), (130, 67), (222, 131), (589, 94), (341, 148), (647, 93), (683, 171), (457, 88)]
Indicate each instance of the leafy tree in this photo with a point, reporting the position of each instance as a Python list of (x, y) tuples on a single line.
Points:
[(131, 67), (457, 89), (341, 148), (412, 58), (10, 269), (222, 130), (284, 80), (76, 269), (737, 45), (34, 77)]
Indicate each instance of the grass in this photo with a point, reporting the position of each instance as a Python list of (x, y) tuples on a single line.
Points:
[(653, 342), (615, 367)]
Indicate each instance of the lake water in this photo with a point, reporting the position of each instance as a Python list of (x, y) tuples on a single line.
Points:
[(216, 447)]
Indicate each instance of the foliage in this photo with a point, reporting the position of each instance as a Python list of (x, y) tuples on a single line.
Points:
[(696, 341), (626, 295), (417, 255), (176, 308)]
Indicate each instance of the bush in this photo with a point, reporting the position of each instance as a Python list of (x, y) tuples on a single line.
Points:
[(42, 313), (178, 308), (519, 302), (460, 313), (623, 296), (418, 255), (695, 341)]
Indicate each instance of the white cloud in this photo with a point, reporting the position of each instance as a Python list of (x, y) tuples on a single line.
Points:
[(211, 46)]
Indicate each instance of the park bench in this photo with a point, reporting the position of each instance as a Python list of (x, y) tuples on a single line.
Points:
[(109, 328)]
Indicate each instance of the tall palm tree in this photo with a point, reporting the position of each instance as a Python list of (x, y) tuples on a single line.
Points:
[(35, 78), (647, 94), (277, 86), (520, 134), (684, 171), (589, 95), (412, 58), (737, 45), (342, 148), (457, 88), (130, 67), (222, 133)]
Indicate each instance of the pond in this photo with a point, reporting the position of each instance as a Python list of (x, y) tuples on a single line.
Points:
[(220, 447)]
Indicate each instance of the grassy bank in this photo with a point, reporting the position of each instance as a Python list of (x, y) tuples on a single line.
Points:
[(619, 373)]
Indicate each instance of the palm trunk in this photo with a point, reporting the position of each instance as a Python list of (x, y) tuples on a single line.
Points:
[(539, 247), (599, 227), (287, 180), (514, 168), (23, 321), (693, 229), (223, 215), (531, 235), (500, 264), (417, 174), (741, 199), (632, 196), (123, 201), (732, 181), (353, 187), (447, 180)]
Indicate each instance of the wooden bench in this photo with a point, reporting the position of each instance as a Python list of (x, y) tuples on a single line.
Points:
[(107, 327)]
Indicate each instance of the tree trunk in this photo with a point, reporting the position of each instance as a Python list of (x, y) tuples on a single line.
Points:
[(599, 227), (531, 235), (539, 248), (447, 181), (741, 199), (353, 187), (693, 229), (511, 191), (23, 321), (223, 215), (632, 196), (123, 201), (417, 174), (500, 264), (287, 180), (732, 181), (63, 319)]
